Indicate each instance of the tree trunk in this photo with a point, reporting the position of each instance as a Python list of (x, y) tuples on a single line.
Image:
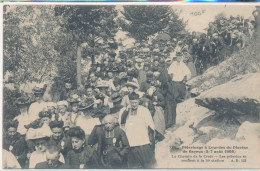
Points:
[(79, 65), (93, 58)]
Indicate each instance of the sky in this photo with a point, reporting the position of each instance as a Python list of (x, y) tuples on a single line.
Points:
[(199, 16)]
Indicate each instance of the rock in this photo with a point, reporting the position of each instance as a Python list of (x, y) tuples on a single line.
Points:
[(240, 97), (246, 61), (249, 131), (189, 111)]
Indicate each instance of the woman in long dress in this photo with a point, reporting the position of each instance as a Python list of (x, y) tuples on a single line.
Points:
[(39, 105), (23, 117)]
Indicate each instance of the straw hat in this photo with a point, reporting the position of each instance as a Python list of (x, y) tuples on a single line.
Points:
[(131, 84), (43, 132)]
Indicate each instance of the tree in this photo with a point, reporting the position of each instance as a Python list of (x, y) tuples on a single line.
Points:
[(29, 35), (92, 25), (142, 21)]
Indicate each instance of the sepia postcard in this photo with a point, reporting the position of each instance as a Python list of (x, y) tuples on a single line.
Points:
[(130, 86)]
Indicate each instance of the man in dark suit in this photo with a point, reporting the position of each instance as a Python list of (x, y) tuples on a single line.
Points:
[(52, 159), (112, 143)]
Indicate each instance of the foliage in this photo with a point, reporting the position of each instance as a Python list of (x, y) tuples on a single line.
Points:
[(92, 25), (143, 21), (29, 35)]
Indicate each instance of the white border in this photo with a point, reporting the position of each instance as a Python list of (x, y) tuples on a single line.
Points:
[(101, 3)]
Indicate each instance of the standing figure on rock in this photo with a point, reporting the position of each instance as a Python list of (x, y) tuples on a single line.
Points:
[(180, 74)]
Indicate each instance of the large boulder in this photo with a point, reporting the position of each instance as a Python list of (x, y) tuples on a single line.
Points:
[(243, 62), (239, 97), (189, 111)]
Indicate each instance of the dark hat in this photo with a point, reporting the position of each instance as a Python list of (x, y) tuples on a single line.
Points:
[(114, 69), (9, 124), (116, 81), (131, 84), (133, 96), (112, 54), (77, 132), (123, 75), (86, 104), (23, 100), (146, 64), (115, 97), (89, 86), (44, 114), (56, 124), (35, 124), (149, 74), (101, 112), (178, 54), (73, 98), (39, 90)]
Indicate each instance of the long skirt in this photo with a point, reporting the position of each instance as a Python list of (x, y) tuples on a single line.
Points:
[(159, 121), (180, 89), (170, 113), (192, 68), (141, 157)]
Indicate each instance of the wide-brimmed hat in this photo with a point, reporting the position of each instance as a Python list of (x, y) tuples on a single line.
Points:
[(23, 100), (44, 114), (131, 84), (39, 89), (133, 96), (146, 64), (102, 84), (114, 69), (115, 97), (86, 104), (149, 74), (138, 60), (38, 133), (74, 98), (178, 54)]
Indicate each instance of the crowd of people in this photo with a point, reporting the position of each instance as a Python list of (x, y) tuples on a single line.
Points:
[(114, 121), (124, 107)]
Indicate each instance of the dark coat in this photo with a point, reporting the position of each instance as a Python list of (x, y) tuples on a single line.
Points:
[(86, 155), (18, 146), (44, 165), (111, 151), (66, 147), (160, 99), (145, 86)]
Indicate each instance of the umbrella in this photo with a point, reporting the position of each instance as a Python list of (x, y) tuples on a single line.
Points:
[(163, 36)]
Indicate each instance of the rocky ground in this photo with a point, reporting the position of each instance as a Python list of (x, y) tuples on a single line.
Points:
[(225, 111)]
